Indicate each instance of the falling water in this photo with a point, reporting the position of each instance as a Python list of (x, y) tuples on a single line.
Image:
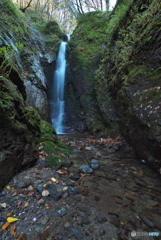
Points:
[(57, 110)]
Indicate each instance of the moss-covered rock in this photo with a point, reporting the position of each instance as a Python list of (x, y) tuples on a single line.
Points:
[(87, 44), (56, 152), (130, 73), (19, 128)]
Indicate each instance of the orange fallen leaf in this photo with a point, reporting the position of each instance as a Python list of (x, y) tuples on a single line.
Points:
[(85, 192), (13, 230), (5, 225), (9, 215)]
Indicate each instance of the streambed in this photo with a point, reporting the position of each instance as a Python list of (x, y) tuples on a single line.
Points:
[(119, 200)]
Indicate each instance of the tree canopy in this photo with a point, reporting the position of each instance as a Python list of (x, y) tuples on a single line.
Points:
[(65, 12)]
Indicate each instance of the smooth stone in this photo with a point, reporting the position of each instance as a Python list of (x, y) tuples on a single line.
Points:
[(74, 176), (159, 122), (85, 221), (101, 217), (72, 191), (65, 195), (61, 212), (91, 229), (114, 220), (76, 198), (37, 182), (94, 164), (148, 222), (40, 188), (88, 148), (41, 201), (77, 233), (111, 178), (131, 188), (53, 192), (86, 169), (45, 220), (67, 225)]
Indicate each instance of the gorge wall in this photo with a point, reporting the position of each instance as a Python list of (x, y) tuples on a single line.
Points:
[(122, 89), (24, 56)]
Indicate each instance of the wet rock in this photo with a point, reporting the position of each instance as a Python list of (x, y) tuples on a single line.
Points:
[(37, 182), (85, 221), (91, 229), (45, 220), (94, 164), (88, 148), (72, 191), (86, 169), (23, 184), (148, 222), (61, 212), (115, 221), (41, 201), (40, 188), (101, 217), (159, 122), (131, 188), (67, 225), (77, 233), (53, 192), (112, 178), (74, 176)]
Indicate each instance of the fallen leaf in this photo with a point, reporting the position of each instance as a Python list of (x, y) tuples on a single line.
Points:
[(26, 204), (19, 203), (9, 187), (11, 219), (61, 172), (13, 230), (15, 193), (4, 205), (53, 179), (85, 192), (22, 236), (5, 225), (9, 215), (45, 193)]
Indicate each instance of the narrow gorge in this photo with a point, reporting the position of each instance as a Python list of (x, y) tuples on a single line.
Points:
[(80, 114)]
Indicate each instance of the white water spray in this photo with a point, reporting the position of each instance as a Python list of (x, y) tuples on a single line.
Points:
[(57, 111)]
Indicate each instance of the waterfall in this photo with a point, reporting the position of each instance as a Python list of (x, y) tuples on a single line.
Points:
[(57, 108)]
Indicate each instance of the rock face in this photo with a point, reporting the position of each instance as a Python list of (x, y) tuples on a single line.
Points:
[(19, 129), (84, 58), (22, 48), (126, 87), (134, 79)]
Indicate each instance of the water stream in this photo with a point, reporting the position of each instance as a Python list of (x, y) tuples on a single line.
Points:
[(57, 109)]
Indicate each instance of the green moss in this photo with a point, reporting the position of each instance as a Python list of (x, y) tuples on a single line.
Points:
[(48, 133), (55, 150)]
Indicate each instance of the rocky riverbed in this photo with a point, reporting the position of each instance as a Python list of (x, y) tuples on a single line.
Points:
[(104, 192)]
